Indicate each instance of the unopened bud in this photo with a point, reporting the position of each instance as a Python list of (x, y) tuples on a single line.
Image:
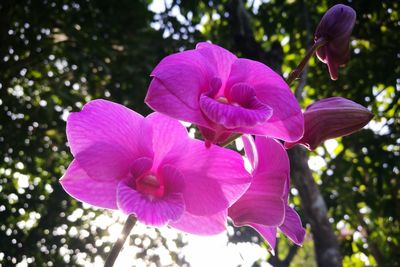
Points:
[(335, 28), (331, 118)]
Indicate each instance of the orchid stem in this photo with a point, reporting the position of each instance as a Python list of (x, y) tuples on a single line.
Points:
[(130, 222), (232, 138), (297, 71)]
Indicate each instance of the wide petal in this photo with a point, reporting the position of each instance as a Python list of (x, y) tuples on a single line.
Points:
[(178, 81), (272, 157), (265, 200), (215, 177), (106, 137), (107, 122), (292, 226), (160, 99), (173, 179), (105, 161), (140, 166), (263, 203), (218, 58), (147, 209), (267, 232), (333, 67), (201, 225), (286, 122), (79, 185), (168, 134)]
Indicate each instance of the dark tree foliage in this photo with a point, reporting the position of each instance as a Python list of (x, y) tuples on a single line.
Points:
[(57, 55)]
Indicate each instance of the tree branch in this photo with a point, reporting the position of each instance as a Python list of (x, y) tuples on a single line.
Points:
[(325, 242)]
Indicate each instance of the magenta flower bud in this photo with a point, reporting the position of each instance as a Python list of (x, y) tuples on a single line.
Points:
[(335, 28), (331, 118)]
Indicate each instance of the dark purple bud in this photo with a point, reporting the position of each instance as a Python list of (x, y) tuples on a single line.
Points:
[(335, 27), (330, 118)]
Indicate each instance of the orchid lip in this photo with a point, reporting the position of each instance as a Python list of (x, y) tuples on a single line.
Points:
[(237, 107)]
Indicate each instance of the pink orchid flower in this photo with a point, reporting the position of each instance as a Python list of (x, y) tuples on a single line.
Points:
[(331, 118), (335, 27), (264, 206), (223, 94), (150, 167)]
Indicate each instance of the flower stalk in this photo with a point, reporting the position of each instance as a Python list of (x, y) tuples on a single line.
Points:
[(297, 71), (116, 249)]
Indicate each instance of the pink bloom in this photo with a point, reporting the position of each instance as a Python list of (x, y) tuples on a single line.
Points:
[(264, 206), (331, 118), (150, 167), (223, 94), (335, 27)]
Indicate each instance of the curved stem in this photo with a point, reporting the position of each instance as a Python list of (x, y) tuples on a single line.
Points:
[(296, 72), (130, 222)]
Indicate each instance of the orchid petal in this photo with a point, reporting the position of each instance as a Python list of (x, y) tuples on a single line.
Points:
[(268, 233), (231, 116), (160, 99), (79, 185), (263, 203), (103, 161), (173, 179), (178, 81), (286, 121), (147, 209), (102, 121), (265, 200), (272, 157), (217, 57), (201, 225), (292, 226), (140, 166), (215, 177), (250, 150), (169, 136)]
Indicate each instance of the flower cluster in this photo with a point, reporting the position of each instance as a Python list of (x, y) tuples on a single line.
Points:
[(149, 167)]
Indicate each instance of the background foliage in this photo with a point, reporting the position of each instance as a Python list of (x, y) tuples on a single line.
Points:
[(57, 55)]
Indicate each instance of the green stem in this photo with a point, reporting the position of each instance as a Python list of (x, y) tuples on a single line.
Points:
[(130, 222), (296, 72)]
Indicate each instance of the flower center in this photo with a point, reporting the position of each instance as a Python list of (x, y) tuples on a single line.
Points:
[(150, 184), (222, 99)]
